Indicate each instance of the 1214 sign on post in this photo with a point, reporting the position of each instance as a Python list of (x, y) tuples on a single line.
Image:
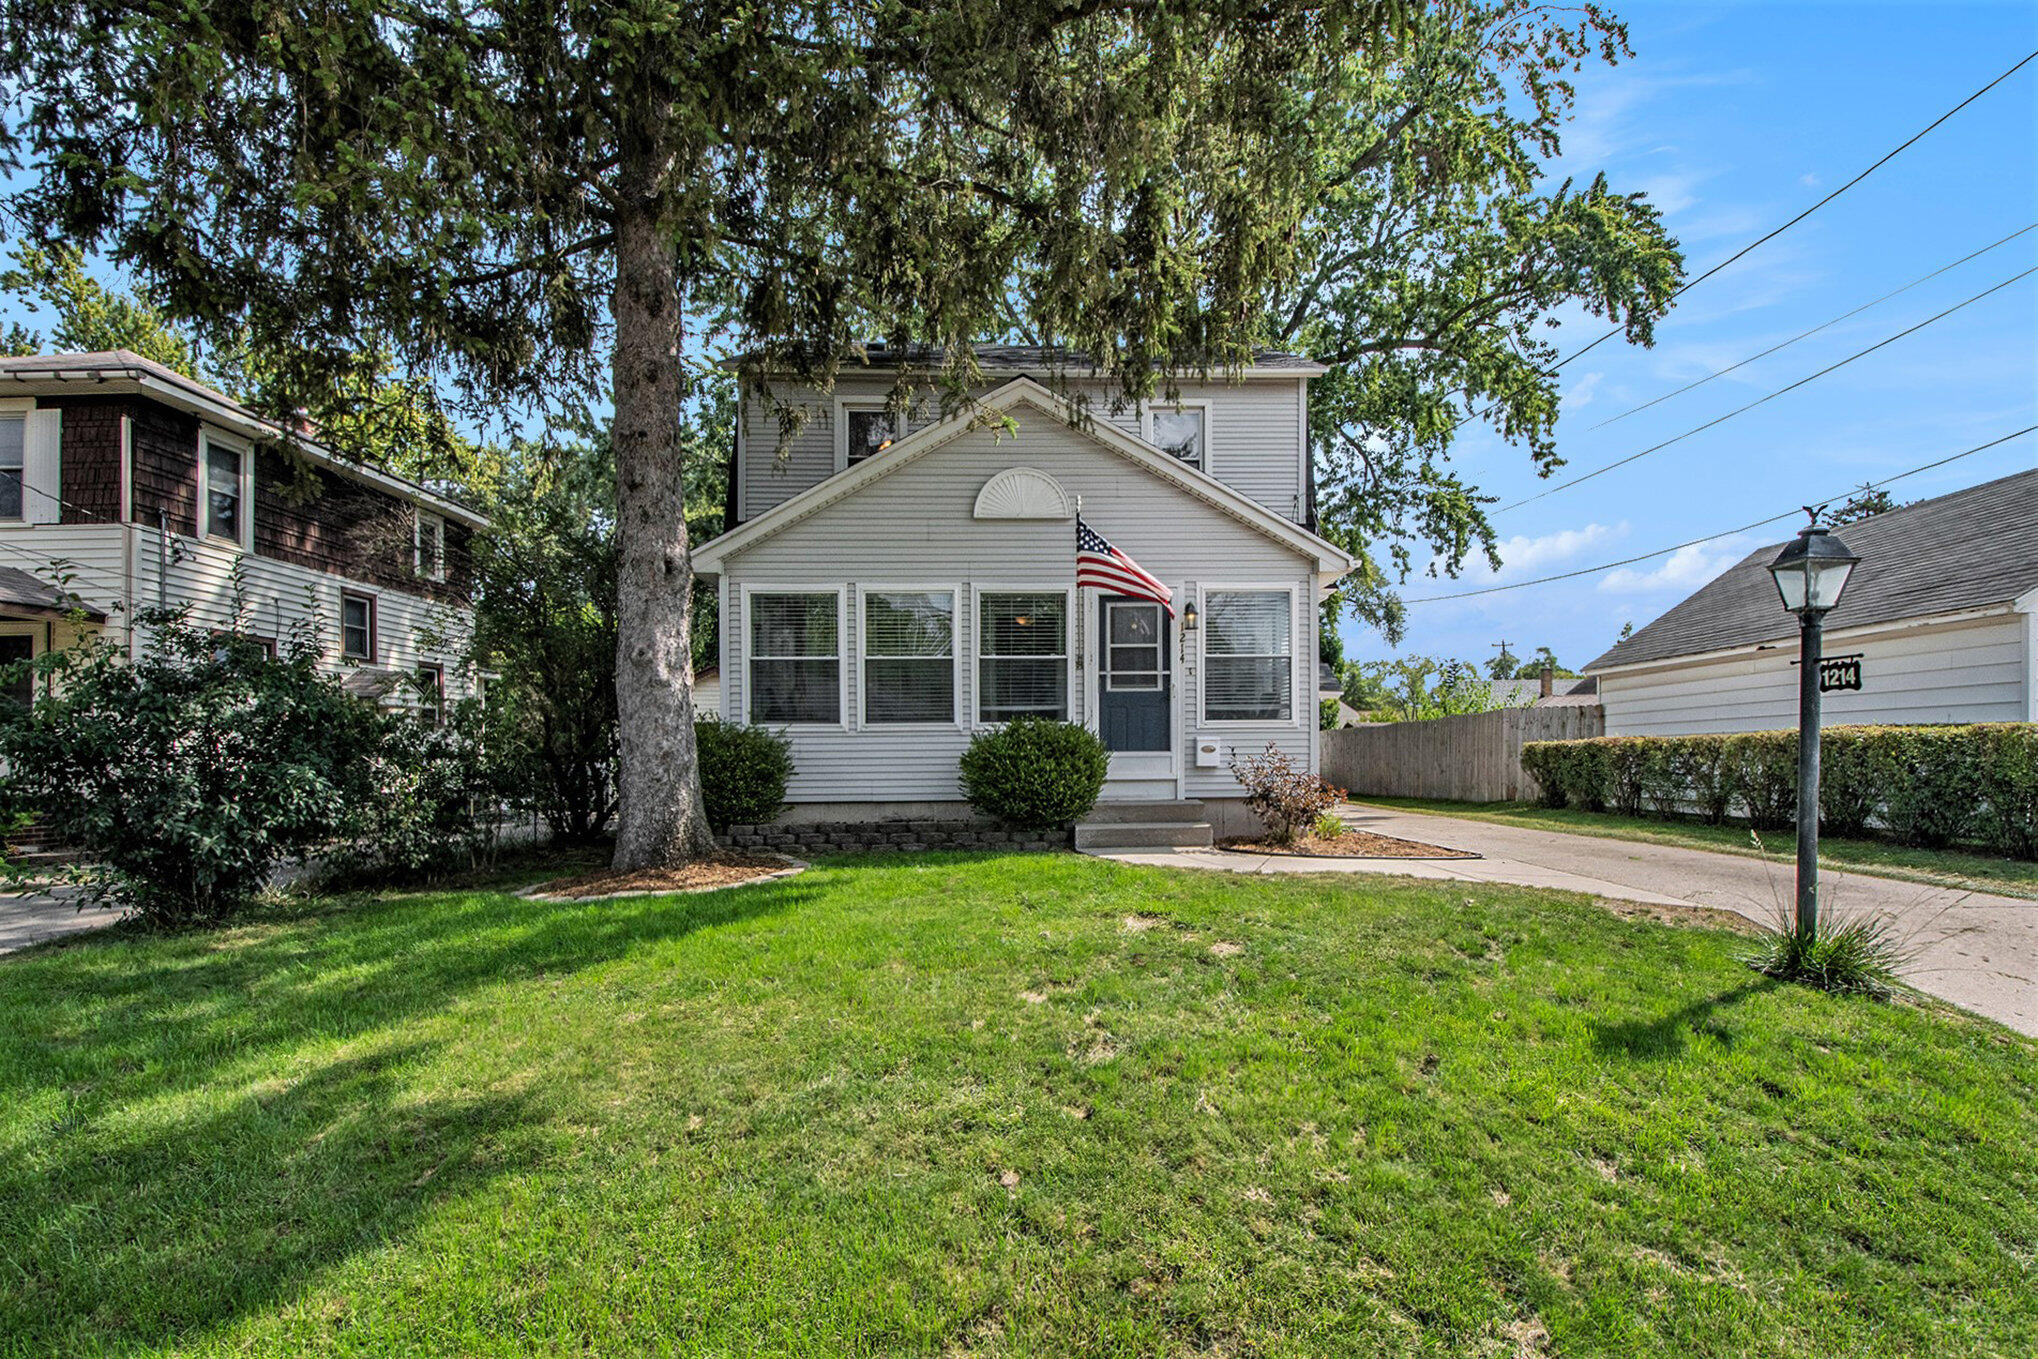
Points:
[(1839, 672)]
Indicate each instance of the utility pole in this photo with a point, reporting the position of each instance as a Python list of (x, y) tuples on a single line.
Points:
[(1501, 668)]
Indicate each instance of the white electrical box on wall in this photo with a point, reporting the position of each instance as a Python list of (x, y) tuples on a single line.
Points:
[(1206, 754)]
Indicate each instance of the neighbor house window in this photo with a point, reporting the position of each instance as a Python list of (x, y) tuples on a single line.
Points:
[(223, 491), (908, 656), (13, 444), (428, 545), (866, 429), (1180, 431), (1248, 656), (16, 649), (1022, 656), (357, 627), (796, 657), (431, 682)]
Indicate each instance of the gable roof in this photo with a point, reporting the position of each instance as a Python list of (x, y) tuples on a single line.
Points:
[(123, 371), (1023, 391), (1034, 358), (1968, 550)]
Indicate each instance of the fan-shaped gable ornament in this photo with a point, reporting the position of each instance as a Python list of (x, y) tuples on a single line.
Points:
[(1023, 493)]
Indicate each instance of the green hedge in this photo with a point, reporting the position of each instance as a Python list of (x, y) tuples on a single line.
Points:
[(1929, 786)]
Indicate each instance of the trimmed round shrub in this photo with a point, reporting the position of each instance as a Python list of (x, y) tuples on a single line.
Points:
[(1034, 772), (744, 771)]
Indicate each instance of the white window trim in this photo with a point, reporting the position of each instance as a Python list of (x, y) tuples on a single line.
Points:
[(842, 625), (1071, 631), (245, 537), (1161, 671), (958, 718), (20, 407), (846, 404), (1297, 710), (1202, 403), (375, 655), (418, 515)]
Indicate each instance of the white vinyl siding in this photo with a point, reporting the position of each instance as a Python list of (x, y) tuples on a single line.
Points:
[(1248, 655), (916, 525), (795, 657), (1252, 429), (908, 656), (1974, 671), (1022, 655)]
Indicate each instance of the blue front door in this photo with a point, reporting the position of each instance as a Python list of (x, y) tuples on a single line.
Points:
[(1135, 681)]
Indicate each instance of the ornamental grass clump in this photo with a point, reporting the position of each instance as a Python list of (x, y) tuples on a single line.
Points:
[(1862, 956)]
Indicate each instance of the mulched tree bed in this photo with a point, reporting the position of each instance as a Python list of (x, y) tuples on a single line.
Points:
[(1353, 844), (724, 868)]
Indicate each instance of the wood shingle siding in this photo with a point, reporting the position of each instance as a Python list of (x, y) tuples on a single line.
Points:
[(90, 459), (325, 522), (165, 454)]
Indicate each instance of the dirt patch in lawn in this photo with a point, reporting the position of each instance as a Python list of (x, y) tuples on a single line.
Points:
[(1353, 844), (723, 869)]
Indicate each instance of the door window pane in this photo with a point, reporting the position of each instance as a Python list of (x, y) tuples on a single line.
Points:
[(1248, 656), (1133, 659), (795, 659), (909, 656), (1022, 656)]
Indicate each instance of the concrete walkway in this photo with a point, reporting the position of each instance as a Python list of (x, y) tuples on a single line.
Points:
[(31, 917), (1974, 949)]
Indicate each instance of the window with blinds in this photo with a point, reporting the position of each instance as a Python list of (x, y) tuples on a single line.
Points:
[(1022, 656), (908, 656), (1248, 656), (795, 658)]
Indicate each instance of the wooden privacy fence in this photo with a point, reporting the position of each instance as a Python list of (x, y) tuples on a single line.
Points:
[(1474, 758)]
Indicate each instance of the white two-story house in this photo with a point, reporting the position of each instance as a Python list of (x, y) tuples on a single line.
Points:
[(889, 587), (126, 486)]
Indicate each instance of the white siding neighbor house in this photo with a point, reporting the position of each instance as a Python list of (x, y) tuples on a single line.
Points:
[(887, 592), (127, 487), (1942, 614)]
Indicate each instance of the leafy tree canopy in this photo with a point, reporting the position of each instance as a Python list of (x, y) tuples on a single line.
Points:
[(1435, 258)]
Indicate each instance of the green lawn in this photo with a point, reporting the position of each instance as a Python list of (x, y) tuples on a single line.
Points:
[(1972, 871), (1021, 1105)]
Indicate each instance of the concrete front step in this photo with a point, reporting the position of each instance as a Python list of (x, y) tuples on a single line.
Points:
[(1144, 835), (1121, 813)]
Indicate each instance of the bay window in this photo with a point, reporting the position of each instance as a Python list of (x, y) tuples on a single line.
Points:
[(795, 657), (908, 656), (1022, 656), (1248, 656)]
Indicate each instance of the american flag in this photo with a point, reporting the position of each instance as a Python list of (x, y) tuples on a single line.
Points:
[(1104, 566)]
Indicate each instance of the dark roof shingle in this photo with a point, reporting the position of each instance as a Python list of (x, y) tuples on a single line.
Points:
[(1966, 550)]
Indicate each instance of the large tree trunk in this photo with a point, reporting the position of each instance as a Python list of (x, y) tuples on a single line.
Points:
[(661, 820)]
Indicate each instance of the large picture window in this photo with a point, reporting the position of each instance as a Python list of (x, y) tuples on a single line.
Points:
[(908, 656), (795, 657), (1022, 656), (1248, 656)]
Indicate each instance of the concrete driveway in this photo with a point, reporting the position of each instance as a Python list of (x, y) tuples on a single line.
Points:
[(31, 917), (1974, 949)]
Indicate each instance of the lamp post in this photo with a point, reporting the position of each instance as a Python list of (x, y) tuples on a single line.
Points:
[(1810, 573)]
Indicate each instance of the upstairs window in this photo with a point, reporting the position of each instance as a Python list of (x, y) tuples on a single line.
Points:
[(796, 657), (1022, 656), (13, 445), (864, 429), (428, 545), (1248, 656), (223, 508), (908, 656), (357, 627), (1180, 432)]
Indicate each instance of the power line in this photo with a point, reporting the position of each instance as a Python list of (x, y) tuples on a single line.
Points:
[(1807, 334), (1725, 533), (1765, 239), (1720, 419)]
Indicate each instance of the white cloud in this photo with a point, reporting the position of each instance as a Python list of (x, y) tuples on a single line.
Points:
[(1683, 571), (1580, 395), (1522, 555)]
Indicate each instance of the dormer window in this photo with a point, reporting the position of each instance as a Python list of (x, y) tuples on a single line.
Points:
[(1181, 431), (862, 429), (223, 504), (428, 545)]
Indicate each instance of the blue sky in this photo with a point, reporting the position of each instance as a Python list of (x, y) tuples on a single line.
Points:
[(1733, 118)]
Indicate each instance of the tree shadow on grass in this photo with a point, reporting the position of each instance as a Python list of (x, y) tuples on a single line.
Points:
[(1667, 1037), (159, 1226)]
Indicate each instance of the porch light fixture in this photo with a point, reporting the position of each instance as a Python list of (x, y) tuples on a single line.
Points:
[(1810, 573), (1190, 617)]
